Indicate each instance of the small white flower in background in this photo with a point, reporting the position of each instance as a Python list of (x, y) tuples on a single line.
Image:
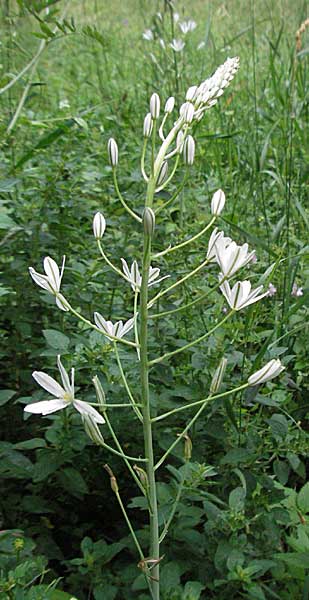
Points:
[(162, 43), (51, 281), (148, 35), (155, 106), (231, 257), (215, 236), (176, 17), (177, 45), (201, 45), (254, 258), (272, 369), (169, 105), (297, 291), (134, 277), (241, 294), (64, 104), (272, 290), (98, 225), (187, 26), (116, 330), (64, 395), (217, 202)]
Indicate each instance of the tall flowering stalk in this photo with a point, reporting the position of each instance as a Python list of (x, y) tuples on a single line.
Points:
[(229, 258)]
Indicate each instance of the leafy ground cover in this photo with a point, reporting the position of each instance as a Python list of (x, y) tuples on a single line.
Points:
[(240, 529)]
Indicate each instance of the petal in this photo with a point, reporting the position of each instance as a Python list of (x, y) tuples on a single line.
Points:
[(252, 300), (85, 409), (46, 407), (48, 383), (65, 377), (61, 302), (52, 271), (125, 268), (41, 280), (100, 321), (127, 326), (158, 280)]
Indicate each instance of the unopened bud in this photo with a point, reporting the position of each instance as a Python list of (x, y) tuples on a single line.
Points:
[(217, 202), (187, 446), (113, 480), (218, 376), (112, 152), (147, 129), (162, 173), (100, 393), (189, 150), (169, 105), (179, 142), (155, 106), (143, 477), (191, 93), (93, 430), (187, 112), (149, 221), (98, 225)]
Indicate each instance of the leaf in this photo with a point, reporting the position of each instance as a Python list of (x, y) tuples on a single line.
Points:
[(6, 185), (6, 395), (30, 444), (237, 499), (73, 482), (279, 426), (56, 340), (193, 590), (281, 470), (303, 498), (170, 576)]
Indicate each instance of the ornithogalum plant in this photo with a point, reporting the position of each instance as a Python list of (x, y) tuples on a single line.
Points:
[(158, 167)]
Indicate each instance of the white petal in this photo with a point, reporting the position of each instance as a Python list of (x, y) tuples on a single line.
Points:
[(65, 377), (48, 383), (127, 326), (253, 300), (85, 409), (125, 268), (46, 407), (62, 303), (52, 271), (41, 280)]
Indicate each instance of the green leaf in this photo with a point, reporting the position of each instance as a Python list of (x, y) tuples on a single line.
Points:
[(6, 395), (281, 470), (30, 444), (303, 498), (73, 482), (279, 426), (237, 499), (193, 590), (56, 340)]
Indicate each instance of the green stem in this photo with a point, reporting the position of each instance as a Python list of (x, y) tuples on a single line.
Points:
[(174, 508), (166, 182), (173, 197), (123, 202), (124, 512), (121, 454), (179, 282), (186, 242), (126, 385), (185, 306), (110, 264), (193, 343), (135, 323)]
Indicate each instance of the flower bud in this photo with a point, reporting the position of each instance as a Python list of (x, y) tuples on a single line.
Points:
[(112, 152), (217, 202), (179, 142), (147, 126), (188, 447), (191, 93), (187, 112), (149, 221), (162, 173), (155, 106), (143, 477), (92, 430), (189, 150), (98, 225), (218, 376), (100, 393), (113, 480), (272, 369), (169, 105)]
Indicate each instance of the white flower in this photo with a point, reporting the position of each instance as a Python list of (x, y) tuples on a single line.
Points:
[(187, 26), (297, 292), (134, 277), (51, 281), (201, 45), (148, 35), (177, 45), (189, 150), (272, 290), (155, 106), (187, 112), (215, 236), (212, 88), (217, 202), (241, 294), (64, 395), (98, 225), (272, 369), (116, 330), (162, 43), (231, 257), (64, 104), (176, 17), (112, 149)]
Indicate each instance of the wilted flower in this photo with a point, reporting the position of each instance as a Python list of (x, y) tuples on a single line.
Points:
[(241, 294), (177, 45), (187, 26), (217, 202), (155, 106), (116, 330), (218, 376), (297, 291), (51, 281), (231, 257), (64, 395), (272, 369), (134, 277), (189, 150), (112, 149), (272, 290), (99, 225), (148, 35), (215, 236)]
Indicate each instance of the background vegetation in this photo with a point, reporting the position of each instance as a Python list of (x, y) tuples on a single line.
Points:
[(241, 529)]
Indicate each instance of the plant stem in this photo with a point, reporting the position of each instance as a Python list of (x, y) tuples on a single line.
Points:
[(123, 202), (126, 385)]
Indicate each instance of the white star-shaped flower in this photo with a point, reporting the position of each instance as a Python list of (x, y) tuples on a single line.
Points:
[(116, 330), (51, 281)]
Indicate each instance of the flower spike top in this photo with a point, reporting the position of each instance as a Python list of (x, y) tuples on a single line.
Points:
[(116, 330), (241, 294), (134, 277), (51, 281), (64, 395), (272, 369)]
